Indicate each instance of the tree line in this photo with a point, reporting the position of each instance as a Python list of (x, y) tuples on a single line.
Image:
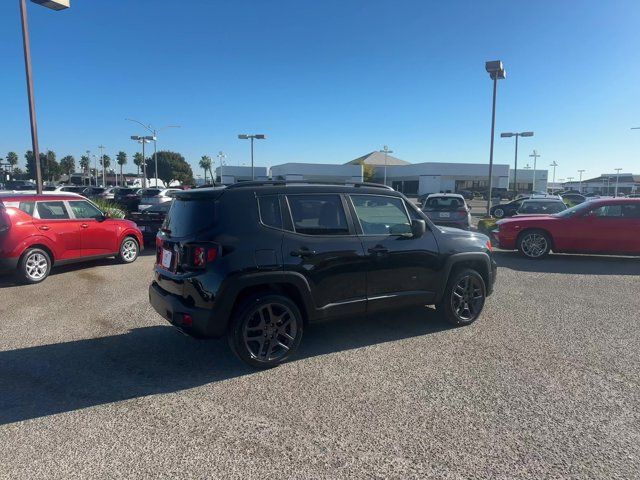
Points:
[(172, 166)]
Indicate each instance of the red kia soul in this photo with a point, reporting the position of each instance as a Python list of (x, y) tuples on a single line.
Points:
[(40, 231)]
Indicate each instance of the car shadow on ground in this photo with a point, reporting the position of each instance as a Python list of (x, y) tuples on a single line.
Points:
[(9, 279), (63, 377), (570, 264)]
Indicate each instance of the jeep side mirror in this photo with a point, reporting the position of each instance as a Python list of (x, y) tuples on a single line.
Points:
[(418, 228)]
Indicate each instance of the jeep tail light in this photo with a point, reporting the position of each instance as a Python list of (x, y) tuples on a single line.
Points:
[(202, 255)]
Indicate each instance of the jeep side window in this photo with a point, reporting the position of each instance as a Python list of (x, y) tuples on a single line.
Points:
[(318, 214), (269, 206), (379, 215)]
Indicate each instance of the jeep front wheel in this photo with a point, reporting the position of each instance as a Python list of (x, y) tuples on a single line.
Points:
[(464, 297), (266, 330)]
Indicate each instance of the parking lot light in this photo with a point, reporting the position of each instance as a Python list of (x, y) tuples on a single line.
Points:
[(142, 140), (515, 172), (258, 136), (496, 71)]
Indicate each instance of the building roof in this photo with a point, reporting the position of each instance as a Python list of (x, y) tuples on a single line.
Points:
[(377, 158)]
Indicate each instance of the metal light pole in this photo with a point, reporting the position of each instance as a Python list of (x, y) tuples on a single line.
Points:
[(535, 156), (244, 136), (221, 159), (26, 43), (386, 152), (496, 72), (104, 176), (143, 140), (515, 172), (554, 165), (581, 172), (154, 132), (617, 180), (88, 166)]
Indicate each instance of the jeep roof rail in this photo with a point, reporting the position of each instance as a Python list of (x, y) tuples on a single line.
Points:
[(261, 183)]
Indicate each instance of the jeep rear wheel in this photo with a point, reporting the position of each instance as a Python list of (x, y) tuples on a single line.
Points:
[(266, 330), (464, 297)]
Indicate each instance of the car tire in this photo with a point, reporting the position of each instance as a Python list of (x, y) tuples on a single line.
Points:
[(498, 213), (265, 330), (464, 297), (534, 244), (129, 250), (34, 266)]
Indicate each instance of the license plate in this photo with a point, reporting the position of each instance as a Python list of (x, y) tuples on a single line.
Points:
[(166, 258), (444, 215)]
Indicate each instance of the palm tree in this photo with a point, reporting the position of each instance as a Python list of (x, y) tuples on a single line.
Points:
[(139, 161), (12, 160), (105, 162), (121, 158), (68, 165), (85, 162), (205, 164)]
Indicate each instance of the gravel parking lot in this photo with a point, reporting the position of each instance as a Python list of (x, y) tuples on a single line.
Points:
[(94, 384)]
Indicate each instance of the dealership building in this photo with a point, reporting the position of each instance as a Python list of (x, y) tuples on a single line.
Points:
[(413, 178)]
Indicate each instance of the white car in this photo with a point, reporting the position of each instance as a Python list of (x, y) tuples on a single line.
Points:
[(155, 196)]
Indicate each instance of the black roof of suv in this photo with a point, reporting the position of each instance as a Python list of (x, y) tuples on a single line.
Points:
[(257, 261)]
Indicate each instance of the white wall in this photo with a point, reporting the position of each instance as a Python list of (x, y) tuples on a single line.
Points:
[(317, 172)]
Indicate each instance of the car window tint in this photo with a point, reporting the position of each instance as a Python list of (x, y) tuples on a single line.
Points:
[(52, 211), (83, 209), (631, 210), (444, 203), (608, 211), (27, 207), (318, 214), (379, 215), (270, 215), (542, 207)]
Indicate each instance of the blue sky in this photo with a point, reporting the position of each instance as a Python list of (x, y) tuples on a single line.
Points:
[(329, 81)]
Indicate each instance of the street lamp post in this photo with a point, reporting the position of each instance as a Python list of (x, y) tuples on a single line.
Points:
[(535, 155), (104, 174), (617, 181), (386, 152), (515, 171), (154, 133), (554, 165), (26, 43), (496, 71), (258, 136), (221, 160), (143, 140), (580, 187)]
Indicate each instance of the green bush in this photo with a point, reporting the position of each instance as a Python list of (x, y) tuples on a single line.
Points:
[(485, 225), (111, 208)]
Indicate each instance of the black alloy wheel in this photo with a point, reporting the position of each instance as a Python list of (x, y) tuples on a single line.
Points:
[(464, 297), (266, 331)]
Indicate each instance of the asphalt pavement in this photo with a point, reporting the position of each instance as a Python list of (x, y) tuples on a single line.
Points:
[(94, 384)]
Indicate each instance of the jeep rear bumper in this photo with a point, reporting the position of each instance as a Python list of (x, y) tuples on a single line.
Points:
[(194, 321)]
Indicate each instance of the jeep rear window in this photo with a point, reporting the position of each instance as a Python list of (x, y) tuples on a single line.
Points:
[(189, 216)]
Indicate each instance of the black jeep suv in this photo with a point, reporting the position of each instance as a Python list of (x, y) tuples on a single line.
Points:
[(256, 261)]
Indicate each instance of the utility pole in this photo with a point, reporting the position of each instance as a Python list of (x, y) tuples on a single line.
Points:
[(535, 156), (221, 160), (617, 181), (386, 152), (104, 176), (581, 172)]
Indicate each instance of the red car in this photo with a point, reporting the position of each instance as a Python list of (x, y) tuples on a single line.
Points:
[(39, 231), (609, 226)]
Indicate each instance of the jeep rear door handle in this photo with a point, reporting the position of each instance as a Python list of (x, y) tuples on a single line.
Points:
[(302, 252), (378, 250)]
